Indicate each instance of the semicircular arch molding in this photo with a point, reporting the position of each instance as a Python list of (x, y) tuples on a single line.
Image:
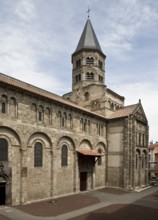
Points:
[(67, 141), (11, 135), (41, 137), (101, 146), (85, 144)]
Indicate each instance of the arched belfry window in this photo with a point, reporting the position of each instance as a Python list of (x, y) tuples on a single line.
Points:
[(64, 155), (3, 150), (38, 154), (89, 60), (89, 75)]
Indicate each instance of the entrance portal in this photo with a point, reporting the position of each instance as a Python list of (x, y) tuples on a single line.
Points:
[(83, 181), (2, 194)]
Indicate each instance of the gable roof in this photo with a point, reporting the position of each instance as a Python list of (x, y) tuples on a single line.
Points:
[(136, 110), (123, 112), (88, 39), (26, 87)]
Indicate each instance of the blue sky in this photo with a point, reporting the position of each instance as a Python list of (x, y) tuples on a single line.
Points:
[(37, 38)]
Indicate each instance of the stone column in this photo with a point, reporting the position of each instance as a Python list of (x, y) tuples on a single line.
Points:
[(24, 173)]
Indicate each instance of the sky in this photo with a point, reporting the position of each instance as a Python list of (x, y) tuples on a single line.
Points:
[(38, 37)]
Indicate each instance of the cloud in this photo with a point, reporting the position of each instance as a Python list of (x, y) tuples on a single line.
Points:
[(124, 22)]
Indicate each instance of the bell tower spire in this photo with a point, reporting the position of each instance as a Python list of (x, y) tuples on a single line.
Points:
[(88, 60)]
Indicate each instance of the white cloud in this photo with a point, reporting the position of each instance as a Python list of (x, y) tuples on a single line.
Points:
[(25, 10)]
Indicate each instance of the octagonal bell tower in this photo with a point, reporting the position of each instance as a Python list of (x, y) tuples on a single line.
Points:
[(88, 60)]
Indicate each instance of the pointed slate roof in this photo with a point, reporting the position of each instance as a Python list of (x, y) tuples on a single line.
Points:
[(88, 39)]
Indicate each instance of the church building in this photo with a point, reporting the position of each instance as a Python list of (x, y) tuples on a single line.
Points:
[(51, 146)]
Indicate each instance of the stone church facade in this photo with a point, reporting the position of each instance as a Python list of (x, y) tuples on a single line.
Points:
[(52, 146)]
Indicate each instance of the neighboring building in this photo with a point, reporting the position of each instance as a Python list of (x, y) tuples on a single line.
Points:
[(153, 159), (52, 146)]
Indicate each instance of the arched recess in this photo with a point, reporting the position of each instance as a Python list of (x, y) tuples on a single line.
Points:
[(85, 144), (66, 140), (101, 146), (12, 166), (66, 172), (11, 135), (39, 173), (137, 167), (40, 136), (101, 168)]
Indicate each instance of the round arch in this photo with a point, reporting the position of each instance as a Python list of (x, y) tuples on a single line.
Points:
[(101, 146), (41, 137), (68, 141), (85, 144), (10, 135)]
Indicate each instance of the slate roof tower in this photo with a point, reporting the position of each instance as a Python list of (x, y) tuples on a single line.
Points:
[(88, 60)]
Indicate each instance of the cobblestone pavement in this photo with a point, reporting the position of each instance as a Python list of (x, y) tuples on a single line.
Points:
[(107, 203)]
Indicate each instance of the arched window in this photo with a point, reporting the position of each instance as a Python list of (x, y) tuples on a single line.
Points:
[(89, 60), (40, 113), (99, 158), (38, 154), (86, 95), (100, 64), (89, 75), (137, 159), (4, 104), (3, 150), (64, 155), (47, 115), (3, 107)]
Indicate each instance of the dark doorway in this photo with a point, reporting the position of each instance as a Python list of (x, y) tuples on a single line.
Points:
[(83, 181), (2, 193)]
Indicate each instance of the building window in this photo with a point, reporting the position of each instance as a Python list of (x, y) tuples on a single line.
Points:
[(86, 95), (99, 158), (89, 60), (3, 107), (64, 155), (3, 150), (40, 113), (78, 63), (100, 64), (89, 75), (38, 155), (78, 77), (100, 78)]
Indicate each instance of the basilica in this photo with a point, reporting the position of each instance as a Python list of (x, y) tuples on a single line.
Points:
[(51, 146)]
